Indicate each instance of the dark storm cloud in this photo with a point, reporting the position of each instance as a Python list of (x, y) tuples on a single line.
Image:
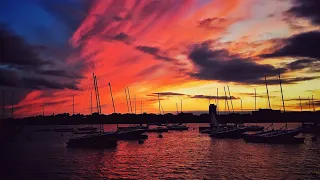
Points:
[(16, 79), (15, 51), (154, 51), (302, 64), (40, 83), (59, 73), (301, 45), (222, 66), (308, 9), (212, 97), (20, 63)]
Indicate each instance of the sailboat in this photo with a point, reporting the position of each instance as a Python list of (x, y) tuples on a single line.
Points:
[(175, 127), (132, 127), (217, 131), (281, 136), (100, 139)]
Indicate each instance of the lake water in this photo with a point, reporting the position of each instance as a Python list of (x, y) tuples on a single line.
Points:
[(178, 155)]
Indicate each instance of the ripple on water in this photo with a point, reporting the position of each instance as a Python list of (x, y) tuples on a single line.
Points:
[(178, 155)]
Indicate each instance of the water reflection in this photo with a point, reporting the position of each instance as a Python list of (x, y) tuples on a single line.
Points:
[(178, 155)]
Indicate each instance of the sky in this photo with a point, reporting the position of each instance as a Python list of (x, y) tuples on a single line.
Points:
[(193, 52)]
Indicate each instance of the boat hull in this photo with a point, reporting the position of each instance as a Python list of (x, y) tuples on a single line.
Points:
[(276, 137), (135, 134), (228, 133), (97, 141)]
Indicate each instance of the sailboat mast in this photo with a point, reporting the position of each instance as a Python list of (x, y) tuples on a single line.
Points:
[(226, 98), (255, 99), (125, 91), (96, 93), (181, 105), (141, 106), (241, 106), (114, 108), (300, 104), (135, 105), (100, 112), (72, 104), (309, 103), (159, 102), (217, 100), (177, 108), (312, 103), (265, 78), (230, 99), (284, 109), (129, 99), (91, 102)]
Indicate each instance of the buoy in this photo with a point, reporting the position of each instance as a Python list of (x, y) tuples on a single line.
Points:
[(141, 141), (160, 136)]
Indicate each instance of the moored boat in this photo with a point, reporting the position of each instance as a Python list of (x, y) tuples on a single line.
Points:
[(100, 140)]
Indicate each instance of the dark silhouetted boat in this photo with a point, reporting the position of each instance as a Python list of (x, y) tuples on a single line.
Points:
[(281, 136), (233, 132), (177, 127), (276, 137), (131, 134), (101, 140), (157, 129)]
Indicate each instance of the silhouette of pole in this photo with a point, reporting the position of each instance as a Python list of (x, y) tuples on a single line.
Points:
[(125, 91), (98, 94), (312, 103), (12, 104), (129, 99), (91, 102), (217, 101), (309, 103), (141, 106), (159, 103), (177, 108), (162, 109), (230, 99), (300, 104), (226, 98), (135, 105), (265, 78), (73, 104), (181, 105), (43, 110), (255, 99), (95, 91), (114, 108), (284, 109)]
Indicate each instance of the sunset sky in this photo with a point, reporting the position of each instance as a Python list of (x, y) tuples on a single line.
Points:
[(182, 49)]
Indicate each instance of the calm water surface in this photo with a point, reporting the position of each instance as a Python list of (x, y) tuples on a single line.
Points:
[(178, 155)]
